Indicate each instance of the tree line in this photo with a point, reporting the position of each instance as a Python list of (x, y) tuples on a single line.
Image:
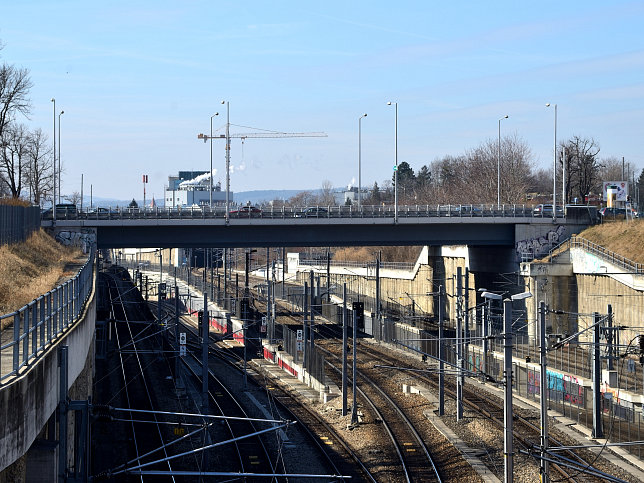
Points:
[(473, 176), (26, 158)]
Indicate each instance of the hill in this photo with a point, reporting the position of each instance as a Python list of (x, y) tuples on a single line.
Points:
[(31, 269), (623, 237)]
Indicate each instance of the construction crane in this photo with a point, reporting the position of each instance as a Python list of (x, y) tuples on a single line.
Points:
[(243, 136), (270, 134)]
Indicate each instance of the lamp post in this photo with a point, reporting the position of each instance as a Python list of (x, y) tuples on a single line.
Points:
[(53, 209), (554, 171), (227, 158), (59, 164), (498, 167), (508, 446), (215, 114), (396, 165), (360, 160)]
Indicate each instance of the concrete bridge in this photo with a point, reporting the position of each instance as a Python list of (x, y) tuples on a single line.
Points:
[(507, 226)]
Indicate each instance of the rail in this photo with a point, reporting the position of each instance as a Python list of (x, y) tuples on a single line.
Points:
[(608, 255), (39, 323), (318, 212)]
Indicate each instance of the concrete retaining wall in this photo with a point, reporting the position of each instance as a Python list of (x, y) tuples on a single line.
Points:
[(27, 403)]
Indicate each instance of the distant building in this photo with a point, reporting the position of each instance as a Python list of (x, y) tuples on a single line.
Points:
[(190, 188)]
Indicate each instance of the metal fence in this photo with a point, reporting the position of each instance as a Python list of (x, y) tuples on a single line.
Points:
[(18, 222), (35, 326)]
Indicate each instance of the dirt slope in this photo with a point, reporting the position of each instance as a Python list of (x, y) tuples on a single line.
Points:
[(30, 269)]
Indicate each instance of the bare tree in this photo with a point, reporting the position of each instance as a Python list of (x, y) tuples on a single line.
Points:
[(13, 158), (326, 197), (14, 91), (303, 198), (582, 167), (515, 163), (39, 167), (75, 197)]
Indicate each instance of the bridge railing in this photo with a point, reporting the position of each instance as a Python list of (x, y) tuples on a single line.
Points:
[(606, 254), (319, 212), (33, 327)]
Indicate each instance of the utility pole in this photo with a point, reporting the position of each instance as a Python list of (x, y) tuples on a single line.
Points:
[(459, 344), (545, 475), (205, 322), (378, 296), (345, 341), (354, 409), (328, 277), (485, 320), (305, 351), (466, 314), (312, 316), (597, 366), (441, 354), (508, 449), (609, 339)]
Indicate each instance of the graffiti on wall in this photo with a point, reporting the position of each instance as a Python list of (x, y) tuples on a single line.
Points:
[(542, 244), (83, 239), (561, 387)]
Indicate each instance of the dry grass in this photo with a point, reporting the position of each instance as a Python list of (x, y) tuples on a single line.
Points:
[(14, 202), (623, 237), (369, 254), (32, 268)]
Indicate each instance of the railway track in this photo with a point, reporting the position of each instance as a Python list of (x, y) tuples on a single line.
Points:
[(522, 426), (135, 390), (284, 406), (526, 432)]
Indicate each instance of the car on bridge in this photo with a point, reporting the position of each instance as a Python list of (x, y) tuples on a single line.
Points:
[(247, 211), (546, 210), (313, 212), (63, 211)]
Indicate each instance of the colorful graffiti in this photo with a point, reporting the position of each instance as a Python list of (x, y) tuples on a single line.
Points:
[(542, 244), (561, 387)]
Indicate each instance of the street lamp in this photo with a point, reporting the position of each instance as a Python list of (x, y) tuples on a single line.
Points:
[(215, 114), (227, 158), (396, 165), (554, 171), (59, 166), (360, 160), (498, 167), (508, 448), (54, 139)]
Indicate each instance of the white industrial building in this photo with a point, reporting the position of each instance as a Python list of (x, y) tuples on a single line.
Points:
[(192, 188)]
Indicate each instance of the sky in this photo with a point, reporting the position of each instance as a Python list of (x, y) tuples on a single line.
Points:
[(139, 80)]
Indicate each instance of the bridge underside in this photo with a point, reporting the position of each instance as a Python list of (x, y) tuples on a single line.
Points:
[(265, 235)]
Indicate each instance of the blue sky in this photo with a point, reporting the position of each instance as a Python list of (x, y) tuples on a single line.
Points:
[(138, 80)]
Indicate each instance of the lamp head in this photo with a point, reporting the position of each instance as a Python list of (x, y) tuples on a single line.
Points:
[(521, 296), (547, 104), (505, 117), (223, 102), (62, 112), (53, 100), (491, 296), (389, 103)]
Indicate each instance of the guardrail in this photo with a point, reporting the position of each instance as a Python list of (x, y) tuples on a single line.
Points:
[(36, 325), (609, 256), (318, 212)]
